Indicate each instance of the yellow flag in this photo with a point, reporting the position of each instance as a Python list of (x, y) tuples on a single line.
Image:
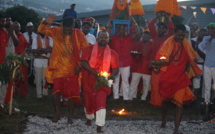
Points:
[(203, 9)]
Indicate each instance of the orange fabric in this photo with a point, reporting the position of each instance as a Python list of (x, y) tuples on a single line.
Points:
[(62, 63), (155, 94), (39, 41), (183, 96), (169, 6), (136, 8), (106, 60), (167, 48)]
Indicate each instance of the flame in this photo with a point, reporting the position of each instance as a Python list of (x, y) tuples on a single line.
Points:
[(162, 58), (121, 112), (105, 74)]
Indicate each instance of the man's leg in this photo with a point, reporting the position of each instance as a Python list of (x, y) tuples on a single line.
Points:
[(207, 80), (164, 109), (100, 119), (45, 90), (38, 78), (146, 82), (100, 101), (89, 106), (56, 107), (71, 105), (178, 116), (125, 73), (133, 86), (116, 86)]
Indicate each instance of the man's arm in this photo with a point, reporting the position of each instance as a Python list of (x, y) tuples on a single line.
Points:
[(170, 26), (205, 43), (43, 27), (152, 29), (12, 34), (87, 67), (135, 29)]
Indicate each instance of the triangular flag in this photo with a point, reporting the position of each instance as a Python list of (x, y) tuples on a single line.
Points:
[(193, 7), (213, 10), (203, 9), (194, 14), (183, 6)]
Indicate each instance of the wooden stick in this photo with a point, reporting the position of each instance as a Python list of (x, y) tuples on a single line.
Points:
[(11, 95)]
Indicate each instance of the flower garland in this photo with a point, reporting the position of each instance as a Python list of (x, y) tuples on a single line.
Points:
[(121, 7)]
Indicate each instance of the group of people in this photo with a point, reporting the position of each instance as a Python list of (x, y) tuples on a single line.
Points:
[(73, 56)]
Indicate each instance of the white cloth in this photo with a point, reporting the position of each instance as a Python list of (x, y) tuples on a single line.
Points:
[(89, 116), (91, 38), (40, 66), (134, 85), (27, 36), (197, 81), (3, 89), (100, 117), (10, 49), (124, 72), (40, 82), (209, 75)]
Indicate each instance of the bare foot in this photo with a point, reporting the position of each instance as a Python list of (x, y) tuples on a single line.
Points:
[(69, 121), (176, 132), (88, 123), (163, 125), (56, 118), (99, 129)]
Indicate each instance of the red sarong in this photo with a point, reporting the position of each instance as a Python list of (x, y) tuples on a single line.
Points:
[(68, 88)]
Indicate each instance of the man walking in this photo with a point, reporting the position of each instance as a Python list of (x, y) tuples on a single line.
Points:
[(96, 59), (64, 67)]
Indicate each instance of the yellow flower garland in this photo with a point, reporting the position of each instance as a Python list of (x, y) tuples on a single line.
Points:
[(121, 7)]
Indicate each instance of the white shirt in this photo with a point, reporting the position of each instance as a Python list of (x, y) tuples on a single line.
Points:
[(27, 36), (91, 39), (10, 49), (41, 62)]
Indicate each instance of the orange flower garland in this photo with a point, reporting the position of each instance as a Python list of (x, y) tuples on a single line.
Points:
[(136, 8), (121, 7), (169, 6)]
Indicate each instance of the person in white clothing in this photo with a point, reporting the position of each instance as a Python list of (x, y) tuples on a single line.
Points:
[(29, 36), (13, 40), (208, 45), (41, 47), (86, 30)]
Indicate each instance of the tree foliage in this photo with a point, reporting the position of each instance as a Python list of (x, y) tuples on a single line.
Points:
[(23, 15)]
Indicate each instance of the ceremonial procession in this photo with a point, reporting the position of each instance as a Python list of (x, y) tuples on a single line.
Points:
[(112, 67)]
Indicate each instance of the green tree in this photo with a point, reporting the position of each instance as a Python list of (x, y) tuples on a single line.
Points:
[(23, 15)]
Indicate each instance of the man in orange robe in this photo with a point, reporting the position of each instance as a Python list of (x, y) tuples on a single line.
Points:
[(96, 58), (174, 81), (64, 66)]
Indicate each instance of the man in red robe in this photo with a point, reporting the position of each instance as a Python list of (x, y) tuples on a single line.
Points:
[(20, 49), (3, 44), (159, 35), (142, 69), (95, 59), (174, 81)]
